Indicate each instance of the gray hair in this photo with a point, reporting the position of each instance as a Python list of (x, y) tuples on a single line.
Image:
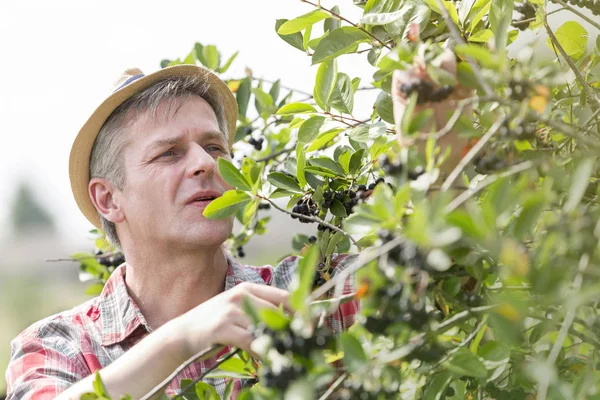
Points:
[(106, 159)]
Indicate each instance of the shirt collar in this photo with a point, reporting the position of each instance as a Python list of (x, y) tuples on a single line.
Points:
[(121, 316)]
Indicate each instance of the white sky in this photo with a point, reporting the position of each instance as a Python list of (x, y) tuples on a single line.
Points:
[(59, 59)]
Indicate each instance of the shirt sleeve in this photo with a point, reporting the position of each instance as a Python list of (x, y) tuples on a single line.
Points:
[(345, 315), (44, 362)]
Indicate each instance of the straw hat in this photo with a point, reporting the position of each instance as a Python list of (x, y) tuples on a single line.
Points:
[(131, 82)]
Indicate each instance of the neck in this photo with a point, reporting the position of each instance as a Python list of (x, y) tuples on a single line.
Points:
[(166, 284)]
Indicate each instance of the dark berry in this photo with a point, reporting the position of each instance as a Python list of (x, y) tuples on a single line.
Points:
[(371, 186), (98, 252), (415, 173), (252, 141), (312, 239), (361, 187)]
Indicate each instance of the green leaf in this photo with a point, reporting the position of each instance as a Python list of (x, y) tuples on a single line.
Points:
[(306, 38), (328, 164), (99, 387), (227, 204), (495, 351), (385, 107), (225, 67), (479, 53), (331, 24), (324, 138), (479, 10), (284, 181), (233, 364), (465, 363), (303, 280), (232, 175), (580, 182), (309, 129), (324, 83), (243, 96), (410, 13), (338, 209), (340, 41), (482, 36), (437, 385), (356, 161), (295, 39), (228, 390), (354, 355), (300, 164), (296, 108), (572, 37), (210, 57), (274, 319), (500, 18), (204, 391), (274, 91), (302, 22), (342, 97), (251, 170)]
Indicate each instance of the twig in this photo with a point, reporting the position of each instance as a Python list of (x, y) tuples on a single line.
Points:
[(334, 386), (348, 21), (464, 196), (463, 343), (472, 153), (564, 329), (578, 13), (274, 155), (588, 91), (103, 255), (200, 356), (313, 219), (455, 34)]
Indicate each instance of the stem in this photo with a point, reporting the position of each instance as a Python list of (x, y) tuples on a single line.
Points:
[(586, 88), (577, 12), (348, 21), (472, 153), (334, 386), (104, 255), (313, 219), (274, 155), (565, 327)]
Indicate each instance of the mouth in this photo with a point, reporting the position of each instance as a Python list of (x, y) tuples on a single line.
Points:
[(203, 199)]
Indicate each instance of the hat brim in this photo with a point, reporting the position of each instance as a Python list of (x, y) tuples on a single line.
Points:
[(79, 160)]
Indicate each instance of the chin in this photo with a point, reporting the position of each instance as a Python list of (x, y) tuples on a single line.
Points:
[(211, 233)]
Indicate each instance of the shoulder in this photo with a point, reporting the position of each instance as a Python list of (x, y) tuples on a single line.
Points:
[(65, 326)]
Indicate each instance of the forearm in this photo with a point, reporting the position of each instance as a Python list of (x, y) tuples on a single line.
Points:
[(140, 369)]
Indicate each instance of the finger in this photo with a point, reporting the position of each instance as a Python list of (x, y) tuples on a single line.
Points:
[(271, 294), (236, 336)]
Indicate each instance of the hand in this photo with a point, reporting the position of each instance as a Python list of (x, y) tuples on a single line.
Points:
[(442, 110), (222, 320)]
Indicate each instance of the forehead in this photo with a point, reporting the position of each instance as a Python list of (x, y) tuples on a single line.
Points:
[(189, 116)]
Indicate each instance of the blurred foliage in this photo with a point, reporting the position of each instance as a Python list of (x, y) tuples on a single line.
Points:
[(27, 213), (478, 278)]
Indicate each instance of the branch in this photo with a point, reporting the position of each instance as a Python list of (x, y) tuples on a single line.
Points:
[(565, 327), (334, 386), (104, 255), (348, 21), (284, 87), (472, 153), (274, 155), (586, 88), (313, 219), (464, 196), (200, 356)]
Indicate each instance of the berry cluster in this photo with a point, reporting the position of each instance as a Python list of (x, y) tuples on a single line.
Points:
[(283, 378), (356, 390), (426, 91), (396, 168), (347, 197), (518, 89), (406, 254), (527, 11), (306, 207), (592, 5), (113, 260), (524, 131), (257, 143), (264, 206), (321, 274), (240, 252)]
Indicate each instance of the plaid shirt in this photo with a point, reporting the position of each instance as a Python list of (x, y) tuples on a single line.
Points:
[(54, 353)]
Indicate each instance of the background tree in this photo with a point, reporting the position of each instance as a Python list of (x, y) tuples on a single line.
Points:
[(27, 213)]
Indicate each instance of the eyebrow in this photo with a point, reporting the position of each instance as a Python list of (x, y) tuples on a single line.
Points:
[(157, 144)]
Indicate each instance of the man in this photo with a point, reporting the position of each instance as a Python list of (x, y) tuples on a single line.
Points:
[(143, 168)]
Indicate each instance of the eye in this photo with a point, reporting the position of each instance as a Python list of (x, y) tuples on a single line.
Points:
[(213, 148), (167, 153)]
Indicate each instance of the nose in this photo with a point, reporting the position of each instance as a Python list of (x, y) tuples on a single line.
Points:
[(200, 162)]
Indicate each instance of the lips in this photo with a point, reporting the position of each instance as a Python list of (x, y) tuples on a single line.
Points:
[(203, 198)]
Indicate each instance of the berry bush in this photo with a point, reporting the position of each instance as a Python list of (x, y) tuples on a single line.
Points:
[(469, 191)]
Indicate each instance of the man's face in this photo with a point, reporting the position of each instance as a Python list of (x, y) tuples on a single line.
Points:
[(168, 165)]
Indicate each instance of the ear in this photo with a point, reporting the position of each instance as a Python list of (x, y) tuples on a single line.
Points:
[(102, 193)]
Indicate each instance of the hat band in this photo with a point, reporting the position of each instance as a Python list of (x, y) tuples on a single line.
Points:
[(129, 80)]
